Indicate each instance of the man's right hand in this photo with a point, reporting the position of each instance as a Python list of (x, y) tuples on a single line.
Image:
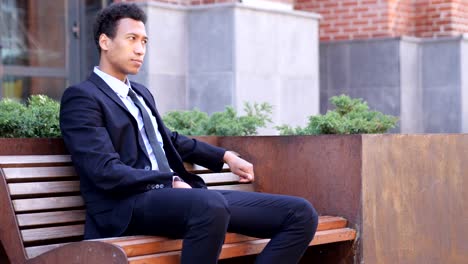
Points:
[(181, 184)]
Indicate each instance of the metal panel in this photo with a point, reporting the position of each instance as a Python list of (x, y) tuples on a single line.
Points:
[(1, 73), (73, 39), (35, 71)]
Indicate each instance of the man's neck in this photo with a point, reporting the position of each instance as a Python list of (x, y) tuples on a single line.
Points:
[(104, 68)]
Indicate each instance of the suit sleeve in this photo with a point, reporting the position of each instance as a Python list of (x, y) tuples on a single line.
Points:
[(93, 154), (198, 152)]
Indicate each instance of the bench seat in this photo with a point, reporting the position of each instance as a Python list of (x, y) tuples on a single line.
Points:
[(42, 213)]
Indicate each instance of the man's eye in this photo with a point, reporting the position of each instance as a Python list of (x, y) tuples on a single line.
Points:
[(145, 41)]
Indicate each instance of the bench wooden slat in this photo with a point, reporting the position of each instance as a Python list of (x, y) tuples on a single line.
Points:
[(237, 187), (197, 169), (331, 222), (220, 178), (56, 173), (228, 251), (137, 239), (161, 258), (42, 204), (243, 249), (251, 247), (34, 160), (334, 235), (48, 233), (62, 217), (116, 240), (41, 188), (36, 173), (144, 245)]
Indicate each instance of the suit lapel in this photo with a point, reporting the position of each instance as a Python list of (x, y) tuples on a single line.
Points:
[(171, 153), (151, 104), (143, 93), (102, 85)]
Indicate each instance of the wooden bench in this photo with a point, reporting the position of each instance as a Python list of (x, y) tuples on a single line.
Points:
[(42, 219)]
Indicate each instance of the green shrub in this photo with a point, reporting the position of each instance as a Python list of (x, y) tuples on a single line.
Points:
[(38, 119), (351, 116), (186, 122), (11, 118), (227, 123)]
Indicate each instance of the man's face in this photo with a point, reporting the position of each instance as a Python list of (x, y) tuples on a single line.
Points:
[(124, 54)]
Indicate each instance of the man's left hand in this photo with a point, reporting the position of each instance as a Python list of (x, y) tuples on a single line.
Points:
[(239, 166)]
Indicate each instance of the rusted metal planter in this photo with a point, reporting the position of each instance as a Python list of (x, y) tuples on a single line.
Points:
[(32, 146), (405, 194), (50, 146)]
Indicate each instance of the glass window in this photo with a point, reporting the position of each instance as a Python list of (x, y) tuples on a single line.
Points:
[(45, 45), (33, 50), (33, 33), (18, 87)]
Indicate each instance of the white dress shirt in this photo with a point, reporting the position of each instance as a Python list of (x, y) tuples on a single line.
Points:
[(121, 89)]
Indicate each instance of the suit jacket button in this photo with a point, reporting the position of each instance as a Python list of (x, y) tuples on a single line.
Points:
[(147, 168)]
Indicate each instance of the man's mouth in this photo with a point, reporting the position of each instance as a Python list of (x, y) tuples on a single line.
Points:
[(137, 61)]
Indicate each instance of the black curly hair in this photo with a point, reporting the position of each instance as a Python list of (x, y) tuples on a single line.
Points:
[(108, 18)]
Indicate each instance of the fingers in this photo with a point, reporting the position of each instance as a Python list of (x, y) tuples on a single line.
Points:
[(244, 176), (245, 180), (240, 167), (245, 167), (180, 184)]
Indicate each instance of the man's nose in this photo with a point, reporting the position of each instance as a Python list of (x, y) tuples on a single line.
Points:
[(140, 49)]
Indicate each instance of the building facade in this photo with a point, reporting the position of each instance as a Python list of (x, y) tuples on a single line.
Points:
[(405, 57), (201, 55)]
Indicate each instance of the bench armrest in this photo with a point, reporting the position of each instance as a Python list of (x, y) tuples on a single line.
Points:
[(82, 252)]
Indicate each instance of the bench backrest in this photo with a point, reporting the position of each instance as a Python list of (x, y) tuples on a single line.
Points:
[(42, 207)]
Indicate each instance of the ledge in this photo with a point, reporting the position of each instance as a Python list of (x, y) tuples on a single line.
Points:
[(294, 13), (434, 39)]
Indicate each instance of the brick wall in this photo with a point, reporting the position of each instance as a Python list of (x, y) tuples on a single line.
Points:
[(460, 15), (363, 19), (349, 19), (401, 17), (441, 18)]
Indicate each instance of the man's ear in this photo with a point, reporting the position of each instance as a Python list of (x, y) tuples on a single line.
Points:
[(104, 42)]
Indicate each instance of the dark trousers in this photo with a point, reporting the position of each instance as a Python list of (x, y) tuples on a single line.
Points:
[(202, 217)]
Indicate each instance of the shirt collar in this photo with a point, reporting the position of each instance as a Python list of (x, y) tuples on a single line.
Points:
[(119, 87)]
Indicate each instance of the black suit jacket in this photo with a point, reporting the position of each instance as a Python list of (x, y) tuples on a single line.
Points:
[(109, 156)]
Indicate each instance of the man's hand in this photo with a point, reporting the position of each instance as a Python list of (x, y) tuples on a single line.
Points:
[(240, 167), (177, 182), (181, 184)]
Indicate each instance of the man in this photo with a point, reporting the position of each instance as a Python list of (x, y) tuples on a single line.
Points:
[(131, 166)]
